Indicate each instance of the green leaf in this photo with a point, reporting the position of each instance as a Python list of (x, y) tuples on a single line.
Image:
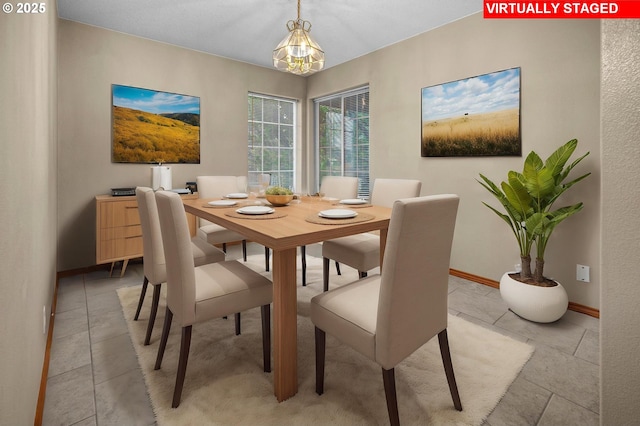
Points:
[(518, 196), (556, 161)]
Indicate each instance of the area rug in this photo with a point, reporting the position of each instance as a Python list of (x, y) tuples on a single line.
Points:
[(225, 384)]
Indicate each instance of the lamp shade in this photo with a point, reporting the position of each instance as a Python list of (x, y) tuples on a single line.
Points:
[(298, 53)]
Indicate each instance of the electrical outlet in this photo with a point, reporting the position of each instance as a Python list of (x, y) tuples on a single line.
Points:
[(582, 273)]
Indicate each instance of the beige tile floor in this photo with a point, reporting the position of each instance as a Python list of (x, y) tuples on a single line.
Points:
[(94, 378)]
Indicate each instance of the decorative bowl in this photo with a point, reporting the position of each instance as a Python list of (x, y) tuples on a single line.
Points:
[(279, 200)]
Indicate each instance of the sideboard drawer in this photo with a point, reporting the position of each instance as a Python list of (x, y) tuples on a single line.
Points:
[(118, 229)]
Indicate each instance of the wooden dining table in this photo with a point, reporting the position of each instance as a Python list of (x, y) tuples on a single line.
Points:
[(288, 227)]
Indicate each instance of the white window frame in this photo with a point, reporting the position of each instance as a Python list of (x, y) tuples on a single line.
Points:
[(253, 174)]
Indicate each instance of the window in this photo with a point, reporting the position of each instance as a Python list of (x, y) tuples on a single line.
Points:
[(342, 138), (271, 139)]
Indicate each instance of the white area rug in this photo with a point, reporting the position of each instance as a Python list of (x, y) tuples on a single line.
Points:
[(225, 384)]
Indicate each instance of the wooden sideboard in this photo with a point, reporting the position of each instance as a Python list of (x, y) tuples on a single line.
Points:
[(118, 230)]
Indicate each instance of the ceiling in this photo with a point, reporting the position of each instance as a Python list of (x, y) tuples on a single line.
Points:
[(248, 30)]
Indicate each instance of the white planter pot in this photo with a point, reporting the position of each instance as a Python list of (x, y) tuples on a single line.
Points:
[(538, 304)]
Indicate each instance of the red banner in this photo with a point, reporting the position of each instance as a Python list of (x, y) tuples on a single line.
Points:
[(626, 9)]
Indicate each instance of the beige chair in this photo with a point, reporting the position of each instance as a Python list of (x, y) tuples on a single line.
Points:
[(219, 186), (362, 251), (339, 188), (388, 317), (153, 255), (197, 294)]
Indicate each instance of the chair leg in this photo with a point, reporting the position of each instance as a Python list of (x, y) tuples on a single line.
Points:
[(145, 283), (448, 368), (153, 313), (303, 255), (182, 365), (338, 268), (325, 274), (266, 337), (389, 379), (321, 338), (237, 323), (244, 250), (266, 258), (165, 336)]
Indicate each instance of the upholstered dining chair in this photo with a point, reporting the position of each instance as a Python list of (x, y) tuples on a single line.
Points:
[(219, 186), (153, 255), (197, 294), (340, 188), (362, 251), (387, 317)]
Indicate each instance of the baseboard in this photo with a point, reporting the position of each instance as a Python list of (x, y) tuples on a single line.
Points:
[(85, 270), (587, 310), (37, 421)]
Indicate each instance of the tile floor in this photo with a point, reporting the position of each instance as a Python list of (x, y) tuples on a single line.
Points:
[(94, 377)]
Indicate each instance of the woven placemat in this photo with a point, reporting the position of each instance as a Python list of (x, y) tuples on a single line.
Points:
[(362, 217), (275, 215)]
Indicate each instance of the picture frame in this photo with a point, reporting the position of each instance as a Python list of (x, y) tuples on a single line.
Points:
[(154, 127), (475, 116)]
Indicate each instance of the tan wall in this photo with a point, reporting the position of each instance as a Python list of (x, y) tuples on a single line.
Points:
[(620, 375), (28, 208), (91, 60), (560, 74)]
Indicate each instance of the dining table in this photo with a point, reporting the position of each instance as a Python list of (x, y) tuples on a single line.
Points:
[(304, 221)]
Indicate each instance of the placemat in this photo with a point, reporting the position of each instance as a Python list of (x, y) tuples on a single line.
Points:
[(362, 217), (275, 215)]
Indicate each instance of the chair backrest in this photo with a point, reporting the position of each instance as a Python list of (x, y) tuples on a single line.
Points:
[(340, 187), (386, 191), (181, 281), (153, 251), (414, 285), (219, 186)]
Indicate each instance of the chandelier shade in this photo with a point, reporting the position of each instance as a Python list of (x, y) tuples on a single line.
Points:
[(298, 53)]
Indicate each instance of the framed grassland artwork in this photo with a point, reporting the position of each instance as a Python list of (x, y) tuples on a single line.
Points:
[(150, 126), (477, 116)]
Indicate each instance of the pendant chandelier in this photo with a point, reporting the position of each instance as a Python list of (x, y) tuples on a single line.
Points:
[(298, 53)]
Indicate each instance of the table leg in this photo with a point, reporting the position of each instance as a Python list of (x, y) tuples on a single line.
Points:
[(285, 317)]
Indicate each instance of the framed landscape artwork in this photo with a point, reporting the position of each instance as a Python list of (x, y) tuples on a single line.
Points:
[(477, 116), (150, 126)]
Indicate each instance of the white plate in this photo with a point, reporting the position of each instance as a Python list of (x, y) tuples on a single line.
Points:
[(237, 195), (255, 210), (353, 201), (337, 214), (222, 203)]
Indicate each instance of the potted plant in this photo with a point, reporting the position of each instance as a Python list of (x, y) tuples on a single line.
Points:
[(527, 199)]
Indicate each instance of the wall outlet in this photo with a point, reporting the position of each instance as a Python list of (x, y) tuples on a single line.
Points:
[(582, 273)]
